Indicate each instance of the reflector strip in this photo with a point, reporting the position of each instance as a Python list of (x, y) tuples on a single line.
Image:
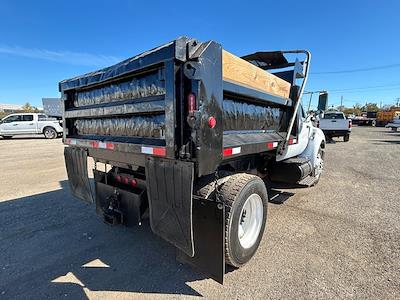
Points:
[(159, 151), (154, 151), (70, 141), (147, 150), (272, 145), (232, 151), (102, 145)]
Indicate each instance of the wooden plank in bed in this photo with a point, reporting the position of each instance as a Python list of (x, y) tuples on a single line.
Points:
[(239, 71)]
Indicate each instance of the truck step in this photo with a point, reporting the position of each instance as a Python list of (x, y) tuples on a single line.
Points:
[(308, 181)]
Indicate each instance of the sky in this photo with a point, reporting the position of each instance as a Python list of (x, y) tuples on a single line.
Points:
[(355, 45)]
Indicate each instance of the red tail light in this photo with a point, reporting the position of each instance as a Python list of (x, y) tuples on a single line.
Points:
[(126, 180), (191, 103), (118, 178), (133, 182), (350, 124), (212, 122)]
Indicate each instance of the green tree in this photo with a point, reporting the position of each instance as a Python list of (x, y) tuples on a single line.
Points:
[(370, 107), (348, 110), (27, 107)]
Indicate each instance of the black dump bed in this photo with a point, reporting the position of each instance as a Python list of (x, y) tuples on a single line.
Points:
[(144, 106)]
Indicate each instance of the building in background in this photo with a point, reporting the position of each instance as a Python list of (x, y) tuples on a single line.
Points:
[(11, 108)]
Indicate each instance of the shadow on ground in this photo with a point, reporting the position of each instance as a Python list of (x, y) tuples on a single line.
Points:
[(46, 240), (379, 142)]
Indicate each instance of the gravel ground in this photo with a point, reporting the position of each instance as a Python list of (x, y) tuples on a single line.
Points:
[(340, 239)]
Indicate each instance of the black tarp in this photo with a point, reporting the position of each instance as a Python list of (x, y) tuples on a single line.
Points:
[(137, 87), (238, 115), (149, 126), (129, 65)]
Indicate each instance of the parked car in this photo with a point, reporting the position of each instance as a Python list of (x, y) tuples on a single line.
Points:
[(395, 124), (335, 124), (30, 123)]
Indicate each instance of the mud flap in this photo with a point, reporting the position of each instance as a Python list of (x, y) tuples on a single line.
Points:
[(209, 239), (169, 189), (76, 165)]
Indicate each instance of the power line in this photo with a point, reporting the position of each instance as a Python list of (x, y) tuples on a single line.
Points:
[(367, 90), (366, 87), (392, 86), (360, 69)]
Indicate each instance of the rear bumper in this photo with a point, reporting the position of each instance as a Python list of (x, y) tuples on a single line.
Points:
[(334, 133)]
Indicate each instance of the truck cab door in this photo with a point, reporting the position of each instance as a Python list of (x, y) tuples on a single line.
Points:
[(304, 125), (10, 125), (27, 125)]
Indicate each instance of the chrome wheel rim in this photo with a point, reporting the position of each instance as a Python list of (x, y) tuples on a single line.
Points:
[(319, 164), (250, 221), (49, 133)]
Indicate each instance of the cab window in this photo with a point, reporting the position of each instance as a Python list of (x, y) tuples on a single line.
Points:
[(11, 119), (333, 116), (27, 118), (42, 117)]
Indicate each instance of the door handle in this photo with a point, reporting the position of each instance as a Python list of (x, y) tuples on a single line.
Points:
[(31, 124), (15, 124)]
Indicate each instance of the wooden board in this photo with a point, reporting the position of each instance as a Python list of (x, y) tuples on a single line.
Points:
[(239, 71)]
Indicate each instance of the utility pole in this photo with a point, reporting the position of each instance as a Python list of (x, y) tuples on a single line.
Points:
[(341, 103), (309, 103)]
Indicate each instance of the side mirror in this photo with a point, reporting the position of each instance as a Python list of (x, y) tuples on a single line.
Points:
[(313, 119)]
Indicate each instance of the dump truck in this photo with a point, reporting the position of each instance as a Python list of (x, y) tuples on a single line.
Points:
[(190, 136), (385, 117)]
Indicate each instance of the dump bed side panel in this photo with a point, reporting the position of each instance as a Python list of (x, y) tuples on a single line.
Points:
[(253, 121), (129, 107)]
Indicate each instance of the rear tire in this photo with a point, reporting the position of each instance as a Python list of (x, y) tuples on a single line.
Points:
[(320, 165), (346, 138), (50, 133), (246, 198), (6, 137)]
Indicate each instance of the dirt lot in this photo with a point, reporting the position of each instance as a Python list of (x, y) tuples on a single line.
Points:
[(340, 239)]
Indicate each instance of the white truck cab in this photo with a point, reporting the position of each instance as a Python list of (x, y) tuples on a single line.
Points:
[(30, 123)]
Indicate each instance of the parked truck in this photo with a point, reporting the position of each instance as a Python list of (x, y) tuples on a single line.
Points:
[(385, 117), (366, 119), (335, 124), (190, 134), (30, 123)]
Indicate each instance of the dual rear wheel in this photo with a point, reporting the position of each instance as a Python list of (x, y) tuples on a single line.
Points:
[(246, 198)]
